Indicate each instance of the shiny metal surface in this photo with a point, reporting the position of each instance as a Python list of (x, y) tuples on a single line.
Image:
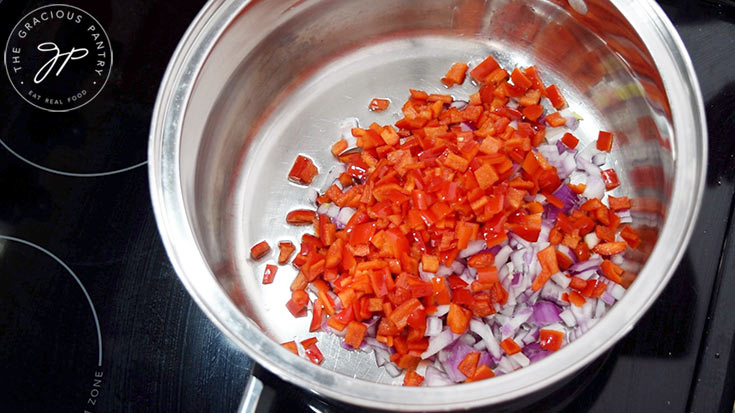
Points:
[(253, 83), (249, 402)]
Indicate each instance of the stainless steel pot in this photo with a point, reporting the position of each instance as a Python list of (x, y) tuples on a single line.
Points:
[(254, 83)]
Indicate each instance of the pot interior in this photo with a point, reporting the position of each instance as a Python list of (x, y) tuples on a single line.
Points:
[(285, 76)]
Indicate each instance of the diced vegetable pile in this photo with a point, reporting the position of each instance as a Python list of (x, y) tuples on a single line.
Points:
[(468, 240)]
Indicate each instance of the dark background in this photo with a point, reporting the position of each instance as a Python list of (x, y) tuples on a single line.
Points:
[(161, 354)]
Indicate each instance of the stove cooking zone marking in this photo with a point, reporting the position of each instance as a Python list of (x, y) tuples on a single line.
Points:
[(78, 281), (94, 392), (58, 58)]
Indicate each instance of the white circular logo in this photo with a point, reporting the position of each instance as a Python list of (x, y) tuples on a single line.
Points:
[(58, 57)]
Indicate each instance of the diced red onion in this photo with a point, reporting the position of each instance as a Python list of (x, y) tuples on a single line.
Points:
[(599, 159), (505, 365), (533, 297), (485, 359), (506, 311), (503, 274), (518, 260), (439, 342), (441, 310), (572, 123), (336, 300), (567, 251), (521, 316), (568, 318), (459, 104), (552, 292), (502, 256), (534, 352), (600, 309), (521, 359), (443, 271), (586, 275), (425, 275), (484, 331), (568, 197), (311, 195), (584, 313), (625, 216), (344, 217), (560, 147), (467, 275), (568, 165), (506, 331), (577, 178), (554, 134), (332, 176), (617, 259), (593, 262), (457, 353), (545, 312), (393, 370), (607, 298), (531, 337), (466, 127), (372, 326), (561, 280), (433, 326), (516, 281), (591, 240), (522, 298), (375, 344), (585, 155), (472, 248), (323, 208), (595, 186), (457, 267), (435, 377), (333, 211), (467, 339), (494, 250), (617, 291)]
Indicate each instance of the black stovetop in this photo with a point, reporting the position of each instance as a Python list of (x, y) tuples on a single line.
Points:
[(93, 317)]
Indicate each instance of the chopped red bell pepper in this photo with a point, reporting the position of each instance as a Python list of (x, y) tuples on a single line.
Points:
[(269, 274), (303, 170), (291, 346), (610, 178), (421, 192), (285, 249), (468, 365), (555, 96), (458, 319), (259, 250), (550, 340), (378, 104), (301, 217), (313, 354), (483, 70), (570, 140), (481, 373), (455, 75), (412, 379), (510, 346), (604, 141)]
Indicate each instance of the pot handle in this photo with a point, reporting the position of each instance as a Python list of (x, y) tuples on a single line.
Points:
[(251, 397)]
